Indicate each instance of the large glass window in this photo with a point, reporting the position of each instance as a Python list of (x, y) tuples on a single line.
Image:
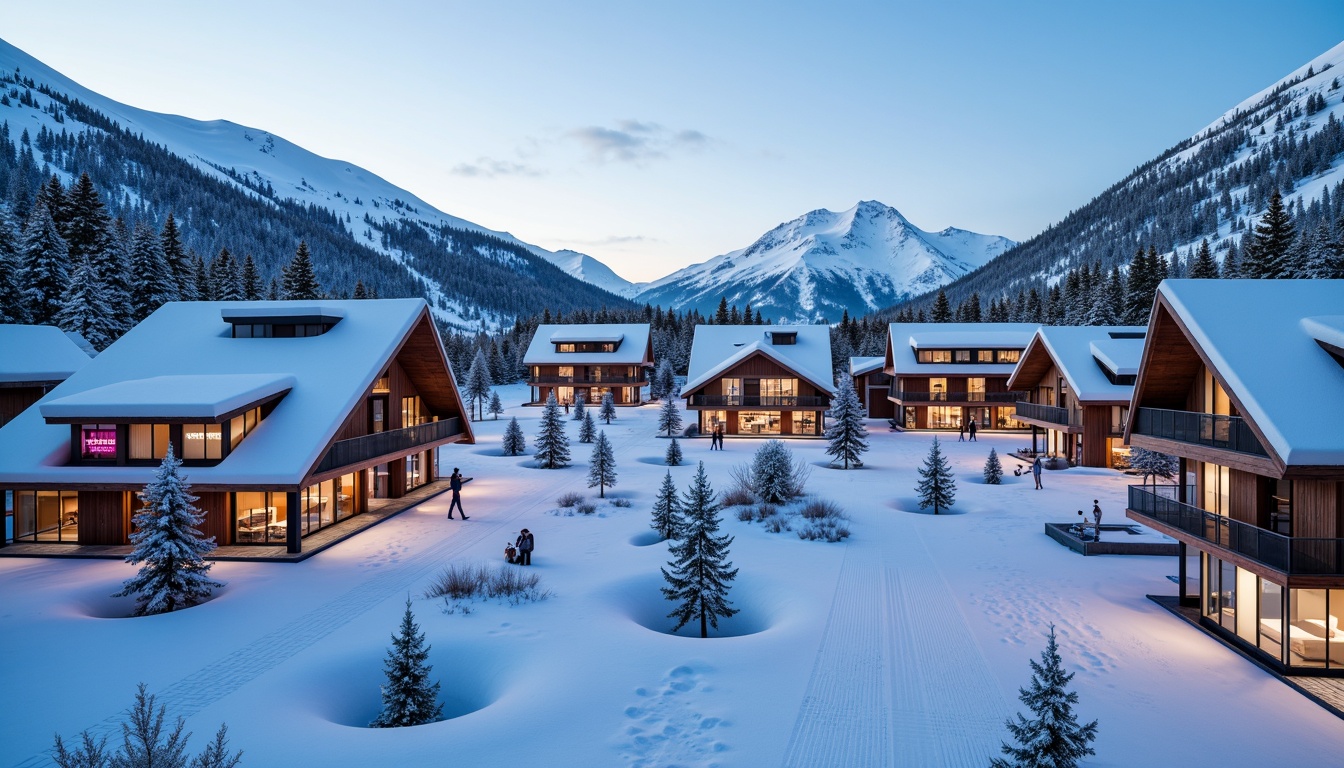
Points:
[(1007, 355), (347, 501), (804, 423), (979, 415), (732, 387), (758, 422), (962, 356), (148, 441), (778, 390), (202, 441), (416, 474), (564, 395), (709, 420), (412, 411), (51, 516), (1227, 596), (262, 517), (984, 356), (935, 355), (1310, 628), (565, 371), (98, 442), (1271, 619), (975, 388), (938, 389), (1007, 418), (1216, 480), (241, 425), (944, 417)]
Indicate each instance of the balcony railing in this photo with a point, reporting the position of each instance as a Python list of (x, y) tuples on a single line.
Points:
[(1051, 413), (625, 380), (1230, 433), (907, 396), (359, 449), (1294, 556), (760, 401)]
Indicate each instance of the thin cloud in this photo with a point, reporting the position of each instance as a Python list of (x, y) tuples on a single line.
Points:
[(635, 141), (489, 168)]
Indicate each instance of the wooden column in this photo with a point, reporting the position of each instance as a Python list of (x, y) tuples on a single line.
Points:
[(293, 524)]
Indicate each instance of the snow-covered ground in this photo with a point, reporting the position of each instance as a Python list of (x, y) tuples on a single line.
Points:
[(904, 645)]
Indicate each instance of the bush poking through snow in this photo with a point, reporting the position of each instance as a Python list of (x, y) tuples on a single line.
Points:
[(145, 742), (568, 499), (622, 503), (993, 468), (1053, 737), (746, 515), (739, 492), (825, 529), (409, 698), (820, 509), (766, 511), (586, 508), (777, 524), (457, 583)]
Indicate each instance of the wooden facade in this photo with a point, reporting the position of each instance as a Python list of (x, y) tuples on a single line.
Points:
[(587, 382), (750, 413), (872, 388), (15, 399), (1089, 433), (989, 412)]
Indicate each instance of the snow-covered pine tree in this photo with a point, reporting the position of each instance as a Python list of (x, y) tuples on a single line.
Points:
[(1322, 258), (360, 291), (251, 279), (299, 281), (152, 284), (168, 546), (666, 378), (579, 408), (146, 743), (46, 267), (587, 429), (942, 308), (226, 277), (175, 257), (496, 407), (772, 474), (1152, 464), (936, 487), (409, 698), (846, 437), (993, 468), (12, 308), (669, 418), (84, 307), (608, 409), (201, 287), (478, 383), (1204, 266), (514, 443), (552, 442), (113, 265), (602, 464), (673, 457), (667, 515), (700, 572), (1052, 738), (655, 383), (1266, 255)]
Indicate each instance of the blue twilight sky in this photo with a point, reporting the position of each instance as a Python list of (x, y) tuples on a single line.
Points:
[(655, 135)]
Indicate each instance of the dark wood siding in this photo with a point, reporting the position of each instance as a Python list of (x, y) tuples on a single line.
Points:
[(14, 400), (1318, 508), (1096, 428), (1249, 498), (104, 517), (215, 505)]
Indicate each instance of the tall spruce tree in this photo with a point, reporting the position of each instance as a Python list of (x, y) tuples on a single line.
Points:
[(146, 743), (1267, 254), (251, 279), (1052, 738), (846, 436), (409, 698), (12, 308), (46, 267), (176, 259), (225, 278), (88, 222), (937, 488), (1231, 268), (299, 279), (154, 285), (587, 428), (667, 517), (202, 289), (478, 383), (552, 442), (608, 409), (514, 443), (169, 548), (669, 418), (700, 575), (84, 308), (942, 309), (113, 266), (1204, 267), (602, 465), (1324, 258)]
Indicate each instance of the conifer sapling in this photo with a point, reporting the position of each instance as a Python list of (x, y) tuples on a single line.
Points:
[(552, 442), (673, 457), (587, 429), (700, 575), (608, 409), (669, 418), (514, 443), (409, 698), (1053, 736), (667, 514), (496, 407), (936, 487), (993, 468), (602, 465)]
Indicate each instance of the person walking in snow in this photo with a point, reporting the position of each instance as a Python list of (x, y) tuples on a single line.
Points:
[(961, 432), (971, 428), (1036, 471), (716, 439), (525, 543), (455, 483)]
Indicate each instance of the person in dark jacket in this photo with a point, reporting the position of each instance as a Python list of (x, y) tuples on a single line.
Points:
[(971, 429), (525, 543), (1036, 471), (961, 432), (455, 483), (1096, 517)]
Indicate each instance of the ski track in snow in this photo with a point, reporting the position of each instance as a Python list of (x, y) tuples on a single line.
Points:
[(874, 699)]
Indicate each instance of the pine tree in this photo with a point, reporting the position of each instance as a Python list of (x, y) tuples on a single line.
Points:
[(666, 379), (251, 279), (667, 516), (700, 572), (496, 406), (1267, 255), (12, 308), (409, 698), (168, 546), (175, 258), (587, 429), (772, 473), (608, 410), (1052, 738), (942, 310), (993, 468), (113, 267), (145, 744), (602, 465), (153, 286), (514, 443), (201, 287), (88, 223), (552, 442), (1205, 267), (1324, 259), (673, 456), (84, 308), (360, 292), (299, 279), (721, 314), (273, 290), (936, 488), (225, 280), (478, 383), (1231, 268), (669, 418), (46, 267), (846, 436), (580, 410)]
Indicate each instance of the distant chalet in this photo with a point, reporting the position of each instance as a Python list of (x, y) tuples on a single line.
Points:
[(289, 417), (946, 375), (585, 362), (872, 383), (760, 380)]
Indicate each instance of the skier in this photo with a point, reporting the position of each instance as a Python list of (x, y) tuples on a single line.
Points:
[(525, 544), (1036, 471), (972, 429), (455, 483)]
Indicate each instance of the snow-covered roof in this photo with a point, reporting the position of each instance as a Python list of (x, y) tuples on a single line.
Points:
[(716, 348), (38, 354), (190, 396), (904, 338), (329, 374), (632, 350), (861, 365), (1261, 338), (292, 310), (1076, 351)]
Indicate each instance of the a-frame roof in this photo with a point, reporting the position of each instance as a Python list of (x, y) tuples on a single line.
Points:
[(717, 348)]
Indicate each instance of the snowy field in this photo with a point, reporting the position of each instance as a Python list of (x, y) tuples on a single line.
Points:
[(905, 645)]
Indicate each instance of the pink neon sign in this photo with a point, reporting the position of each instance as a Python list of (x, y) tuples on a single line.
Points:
[(100, 443)]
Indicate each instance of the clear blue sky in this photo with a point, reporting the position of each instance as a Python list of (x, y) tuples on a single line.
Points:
[(657, 135)]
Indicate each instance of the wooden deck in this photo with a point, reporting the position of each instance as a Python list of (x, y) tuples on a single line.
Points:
[(379, 510)]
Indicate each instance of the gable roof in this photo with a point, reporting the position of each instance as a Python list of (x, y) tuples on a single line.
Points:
[(330, 373), (1263, 340), (36, 354), (717, 348), (632, 350), (861, 365), (1076, 350), (904, 338), (190, 396)]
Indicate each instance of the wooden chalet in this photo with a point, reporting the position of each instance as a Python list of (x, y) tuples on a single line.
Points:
[(872, 383), (945, 375), (584, 362)]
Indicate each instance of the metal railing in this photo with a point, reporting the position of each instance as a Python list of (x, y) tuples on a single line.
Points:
[(1230, 433), (585, 380), (760, 401), (907, 396), (360, 449), (1295, 556), (1051, 413)]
